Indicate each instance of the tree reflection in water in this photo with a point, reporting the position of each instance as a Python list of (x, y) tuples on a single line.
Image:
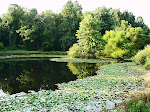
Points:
[(21, 76), (83, 70)]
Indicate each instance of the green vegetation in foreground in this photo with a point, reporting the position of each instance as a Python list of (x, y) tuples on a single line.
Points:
[(79, 60), (140, 102), (102, 92), (22, 52)]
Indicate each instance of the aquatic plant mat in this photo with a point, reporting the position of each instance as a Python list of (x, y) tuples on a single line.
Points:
[(97, 93)]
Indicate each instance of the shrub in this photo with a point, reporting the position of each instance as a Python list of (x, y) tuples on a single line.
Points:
[(119, 53), (1, 46), (147, 65), (124, 41), (138, 102), (134, 105), (142, 56), (74, 51), (81, 52)]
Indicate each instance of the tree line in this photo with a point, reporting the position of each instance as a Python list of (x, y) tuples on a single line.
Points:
[(22, 28), (89, 33), (109, 32)]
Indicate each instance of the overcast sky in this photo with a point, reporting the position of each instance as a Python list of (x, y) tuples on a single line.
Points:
[(138, 7)]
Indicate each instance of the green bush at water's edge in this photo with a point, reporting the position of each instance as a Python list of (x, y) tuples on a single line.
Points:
[(142, 56), (147, 65)]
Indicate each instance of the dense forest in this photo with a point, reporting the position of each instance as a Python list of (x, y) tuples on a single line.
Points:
[(105, 31)]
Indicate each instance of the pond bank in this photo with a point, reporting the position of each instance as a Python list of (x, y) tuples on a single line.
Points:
[(19, 54), (145, 74), (23, 52), (140, 99), (30, 56), (104, 91)]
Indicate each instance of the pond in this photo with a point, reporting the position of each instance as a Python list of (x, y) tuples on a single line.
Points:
[(22, 76), (101, 92)]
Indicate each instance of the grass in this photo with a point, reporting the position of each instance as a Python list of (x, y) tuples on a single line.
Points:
[(145, 74), (79, 60), (102, 92), (24, 59), (138, 102), (29, 56), (20, 54), (23, 52)]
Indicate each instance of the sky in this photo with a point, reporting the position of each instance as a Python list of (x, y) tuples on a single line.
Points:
[(137, 7)]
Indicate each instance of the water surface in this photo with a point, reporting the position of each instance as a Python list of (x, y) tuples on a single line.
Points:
[(22, 76)]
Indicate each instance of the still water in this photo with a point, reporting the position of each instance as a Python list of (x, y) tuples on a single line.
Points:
[(22, 76)]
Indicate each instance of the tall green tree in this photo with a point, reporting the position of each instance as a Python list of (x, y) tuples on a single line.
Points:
[(128, 16), (37, 32), (13, 19), (90, 42), (78, 9), (116, 16), (71, 17), (32, 30), (4, 34), (50, 28), (103, 14)]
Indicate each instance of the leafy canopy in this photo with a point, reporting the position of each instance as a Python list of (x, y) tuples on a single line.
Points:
[(90, 42), (124, 41)]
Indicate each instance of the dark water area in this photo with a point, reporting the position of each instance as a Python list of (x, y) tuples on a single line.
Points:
[(22, 76)]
